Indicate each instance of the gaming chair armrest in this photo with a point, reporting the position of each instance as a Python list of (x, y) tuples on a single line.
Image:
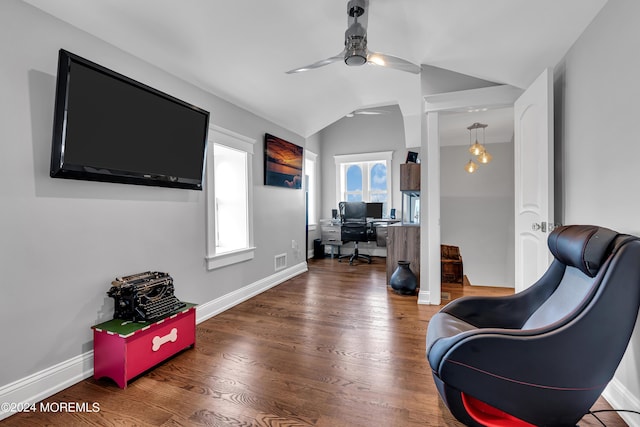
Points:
[(507, 312), (446, 332)]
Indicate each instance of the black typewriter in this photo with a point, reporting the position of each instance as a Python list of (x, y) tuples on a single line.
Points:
[(144, 297)]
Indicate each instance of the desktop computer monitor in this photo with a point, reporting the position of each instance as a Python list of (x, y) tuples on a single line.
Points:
[(374, 210)]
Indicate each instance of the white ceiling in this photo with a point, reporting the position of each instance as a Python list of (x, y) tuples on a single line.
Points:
[(240, 49)]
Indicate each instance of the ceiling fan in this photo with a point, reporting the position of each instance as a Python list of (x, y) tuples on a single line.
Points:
[(367, 112), (355, 50)]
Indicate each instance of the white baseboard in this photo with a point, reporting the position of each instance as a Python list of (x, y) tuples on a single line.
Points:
[(34, 388), (49, 381), (424, 297), (225, 302), (619, 397)]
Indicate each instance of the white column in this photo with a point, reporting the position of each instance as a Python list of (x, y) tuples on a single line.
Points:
[(430, 212)]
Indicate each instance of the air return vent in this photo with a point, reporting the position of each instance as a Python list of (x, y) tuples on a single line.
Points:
[(280, 261)]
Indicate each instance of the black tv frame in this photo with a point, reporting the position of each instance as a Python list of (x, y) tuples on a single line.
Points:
[(61, 169)]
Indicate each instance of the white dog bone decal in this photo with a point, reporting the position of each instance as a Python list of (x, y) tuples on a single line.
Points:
[(170, 337)]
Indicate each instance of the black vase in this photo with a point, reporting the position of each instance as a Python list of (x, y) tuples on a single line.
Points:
[(403, 281)]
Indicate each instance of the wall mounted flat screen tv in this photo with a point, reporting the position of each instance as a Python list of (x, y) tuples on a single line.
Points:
[(108, 127)]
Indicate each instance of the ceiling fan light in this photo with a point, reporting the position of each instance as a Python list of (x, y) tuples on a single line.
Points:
[(355, 57), (471, 166), (378, 60)]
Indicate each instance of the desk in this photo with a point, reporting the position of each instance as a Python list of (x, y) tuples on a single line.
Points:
[(331, 230)]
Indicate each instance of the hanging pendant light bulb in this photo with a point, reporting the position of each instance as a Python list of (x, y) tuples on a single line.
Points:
[(485, 157), (471, 166), (476, 148)]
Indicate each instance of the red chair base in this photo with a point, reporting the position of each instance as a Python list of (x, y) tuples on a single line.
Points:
[(489, 416)]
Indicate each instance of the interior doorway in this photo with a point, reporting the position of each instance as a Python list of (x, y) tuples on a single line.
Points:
[(476, 209), (435, 105)]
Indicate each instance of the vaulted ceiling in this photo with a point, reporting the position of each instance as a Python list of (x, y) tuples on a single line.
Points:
[(240, 49)]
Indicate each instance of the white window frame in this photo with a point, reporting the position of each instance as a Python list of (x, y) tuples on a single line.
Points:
[(343, 160), (221, 136), (312, 188)]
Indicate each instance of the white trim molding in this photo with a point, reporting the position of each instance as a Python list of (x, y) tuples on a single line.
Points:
[(228, 138), (619, 397), (225, 302), (49, 381), (363, 157), (228, 258), (231, 139), (344, 159)]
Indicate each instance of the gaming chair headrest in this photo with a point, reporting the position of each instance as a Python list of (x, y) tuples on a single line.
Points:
[(582, 246)]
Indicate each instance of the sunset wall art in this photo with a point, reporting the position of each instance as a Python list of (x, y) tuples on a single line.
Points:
[(282, 163)]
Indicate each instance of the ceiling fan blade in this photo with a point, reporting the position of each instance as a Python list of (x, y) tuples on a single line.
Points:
[(370, 112), (391, 61), (322, 63)]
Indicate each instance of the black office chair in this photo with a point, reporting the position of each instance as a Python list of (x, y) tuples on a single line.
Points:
[(354, 228), (542, 356)]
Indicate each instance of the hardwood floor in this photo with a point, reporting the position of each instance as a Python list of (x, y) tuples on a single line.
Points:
[(331, 347)]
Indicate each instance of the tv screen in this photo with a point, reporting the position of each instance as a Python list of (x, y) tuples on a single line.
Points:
[(108, 127)]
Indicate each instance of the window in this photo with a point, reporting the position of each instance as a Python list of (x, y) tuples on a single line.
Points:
[(230, 167), (229, 198), (311, 187), (353, 183), (364, 177)]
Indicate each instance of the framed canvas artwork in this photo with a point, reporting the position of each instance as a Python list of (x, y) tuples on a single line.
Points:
[(282, 163)]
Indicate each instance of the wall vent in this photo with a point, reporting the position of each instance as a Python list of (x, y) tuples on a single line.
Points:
[(280, 261)]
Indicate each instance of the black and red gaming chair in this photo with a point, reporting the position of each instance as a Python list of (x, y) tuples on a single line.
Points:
[(542, 356)]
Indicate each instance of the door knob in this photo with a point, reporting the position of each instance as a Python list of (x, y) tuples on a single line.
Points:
[(539, 226)]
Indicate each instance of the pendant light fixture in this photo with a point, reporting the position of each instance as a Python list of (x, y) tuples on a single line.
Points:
[(471, 166), (477, 149), (485, 157)]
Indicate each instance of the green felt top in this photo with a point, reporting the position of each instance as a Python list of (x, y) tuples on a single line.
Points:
[(127, 327)]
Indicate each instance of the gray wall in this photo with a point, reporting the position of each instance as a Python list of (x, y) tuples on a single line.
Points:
[(597, 89), (476, 213), (362, 134), (63, 241)]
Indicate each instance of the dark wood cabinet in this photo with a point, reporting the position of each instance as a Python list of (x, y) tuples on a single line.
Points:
[(410, 177), (403, 244)]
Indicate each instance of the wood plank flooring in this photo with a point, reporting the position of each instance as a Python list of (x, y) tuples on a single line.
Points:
[(332, 347)]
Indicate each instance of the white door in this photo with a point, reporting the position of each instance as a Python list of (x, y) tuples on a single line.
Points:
[(533, 149)]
